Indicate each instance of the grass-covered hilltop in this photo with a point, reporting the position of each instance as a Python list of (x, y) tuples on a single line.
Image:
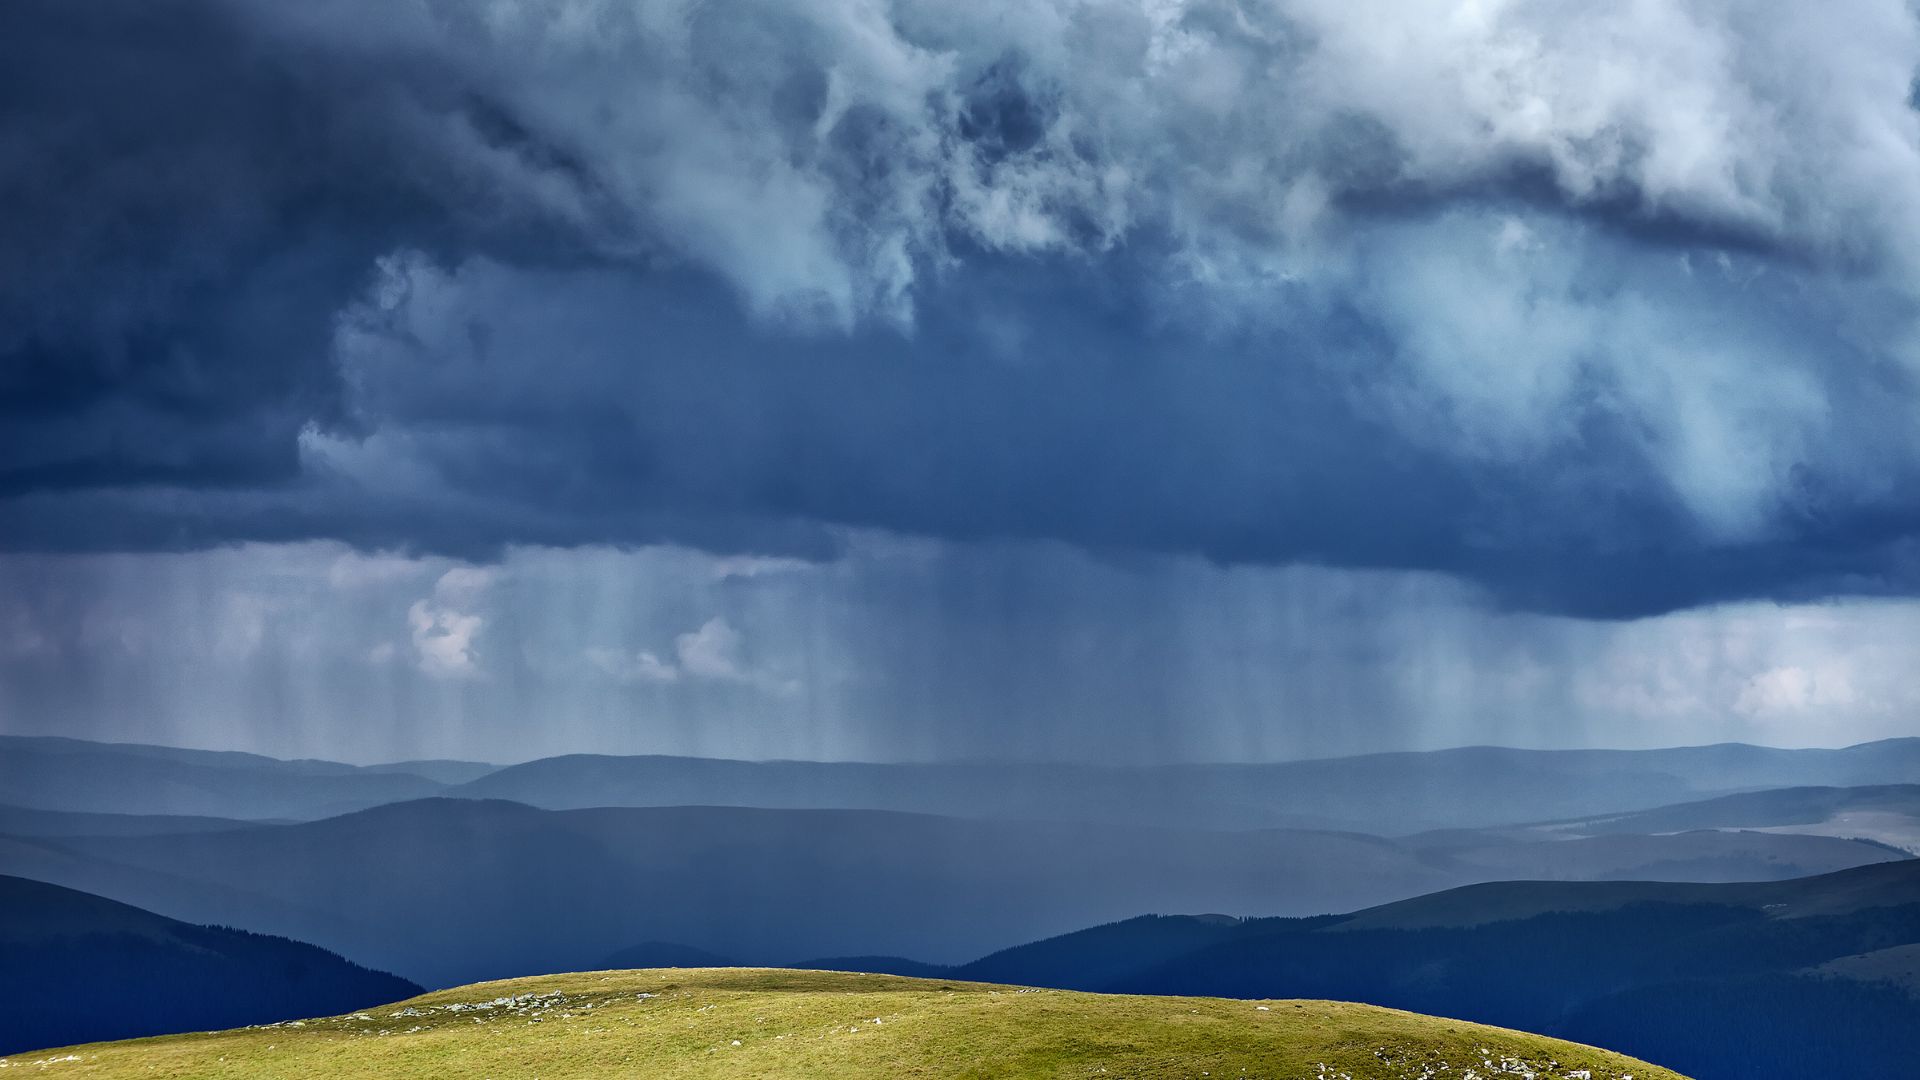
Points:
[(732, 1022)]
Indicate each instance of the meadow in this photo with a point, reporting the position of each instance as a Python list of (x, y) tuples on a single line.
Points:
[(719, 1024)]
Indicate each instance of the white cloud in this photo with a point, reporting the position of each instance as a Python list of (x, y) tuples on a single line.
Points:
[(1817, 674), (464, 584), (640, 667), (710, 654), (443, 630), (1795, 688), (443, 639)]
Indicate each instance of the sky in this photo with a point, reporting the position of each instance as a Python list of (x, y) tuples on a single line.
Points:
[(1106, 380)]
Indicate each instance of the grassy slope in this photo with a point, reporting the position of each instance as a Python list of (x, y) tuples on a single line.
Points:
[(755, 1023)]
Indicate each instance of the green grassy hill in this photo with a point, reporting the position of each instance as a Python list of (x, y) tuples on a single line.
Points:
[(733, 1022)]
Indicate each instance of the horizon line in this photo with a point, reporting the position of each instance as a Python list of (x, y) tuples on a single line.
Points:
[(967, 761)]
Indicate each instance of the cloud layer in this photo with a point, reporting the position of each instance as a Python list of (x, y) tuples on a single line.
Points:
[(918, 650), (1606, 311)]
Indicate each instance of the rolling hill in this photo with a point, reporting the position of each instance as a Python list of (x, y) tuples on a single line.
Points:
[(716, 1024), (77, 966)]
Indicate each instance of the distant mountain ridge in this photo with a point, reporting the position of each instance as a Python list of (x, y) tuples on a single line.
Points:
[(1392, 793), (1149, 943), (439, 770), (1887, 813), (76, 967), (70, 775), (1743, 981), (515, 889), (21, 821), (1388, 794)]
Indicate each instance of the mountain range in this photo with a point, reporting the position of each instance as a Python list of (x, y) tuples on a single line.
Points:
[(1807, 977), (515, 890), (1386, 794)]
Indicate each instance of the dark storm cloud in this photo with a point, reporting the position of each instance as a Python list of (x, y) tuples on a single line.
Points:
[(186, 208), (1609, 316)]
